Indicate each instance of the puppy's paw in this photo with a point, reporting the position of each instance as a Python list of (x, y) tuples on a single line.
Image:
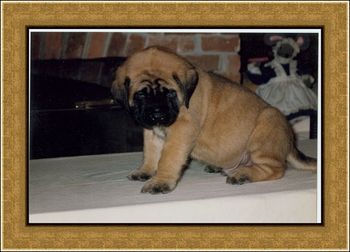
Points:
[(155, 186), (237, 180), (139, 175), (212, 169)]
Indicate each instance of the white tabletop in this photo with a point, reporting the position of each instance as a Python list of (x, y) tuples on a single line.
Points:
[(92, 189)]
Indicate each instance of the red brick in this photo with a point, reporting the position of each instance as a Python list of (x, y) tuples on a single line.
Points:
[(35, 45), (206, 62), (220, 43), (234, 63), (178, 42), (232, 67), (52, 45), (117, 45), (97, 44), (185, 43), (75, 45), (168, 41), (136, 42)]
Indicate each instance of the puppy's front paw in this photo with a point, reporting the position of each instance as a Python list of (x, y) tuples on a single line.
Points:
[(155, 186), (212, 169), (139, 175)]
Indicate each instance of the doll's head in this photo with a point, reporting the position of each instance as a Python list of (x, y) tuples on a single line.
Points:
[(286, 48)]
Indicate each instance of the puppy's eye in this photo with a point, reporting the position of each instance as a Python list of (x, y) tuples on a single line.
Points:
[(171, 94), (139, 95)]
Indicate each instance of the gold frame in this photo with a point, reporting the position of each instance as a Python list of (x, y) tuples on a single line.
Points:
[(332, 16)]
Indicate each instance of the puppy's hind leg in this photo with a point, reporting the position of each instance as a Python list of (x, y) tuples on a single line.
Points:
[(268, 147), (267, 169)]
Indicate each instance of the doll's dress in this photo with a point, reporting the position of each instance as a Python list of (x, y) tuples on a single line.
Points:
[(288, 93)]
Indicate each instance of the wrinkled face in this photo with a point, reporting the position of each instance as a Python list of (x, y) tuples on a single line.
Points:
[(155, 104), (153, 84)]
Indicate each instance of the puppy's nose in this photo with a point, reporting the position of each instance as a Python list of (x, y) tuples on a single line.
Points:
[(158, 115)]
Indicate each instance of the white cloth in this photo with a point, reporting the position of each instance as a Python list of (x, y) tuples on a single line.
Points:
[(94, 189), (288, 93)]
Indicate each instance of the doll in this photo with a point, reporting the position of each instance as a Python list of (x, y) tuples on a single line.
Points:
[(281, 83)]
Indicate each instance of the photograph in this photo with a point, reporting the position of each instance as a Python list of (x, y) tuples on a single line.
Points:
[(175, 126)]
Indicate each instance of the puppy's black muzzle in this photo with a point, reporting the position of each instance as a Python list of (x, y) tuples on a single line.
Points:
[(157, 106)]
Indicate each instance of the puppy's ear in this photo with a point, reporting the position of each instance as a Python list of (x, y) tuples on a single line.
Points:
[(187, 85), (120, 88)]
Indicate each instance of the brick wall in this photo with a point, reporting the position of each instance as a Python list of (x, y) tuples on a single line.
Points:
[(213, 52)]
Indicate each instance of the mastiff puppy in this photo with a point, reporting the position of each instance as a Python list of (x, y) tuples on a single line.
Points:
[(189, 113)]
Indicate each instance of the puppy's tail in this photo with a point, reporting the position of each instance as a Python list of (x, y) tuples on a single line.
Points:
[(300, 161)]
